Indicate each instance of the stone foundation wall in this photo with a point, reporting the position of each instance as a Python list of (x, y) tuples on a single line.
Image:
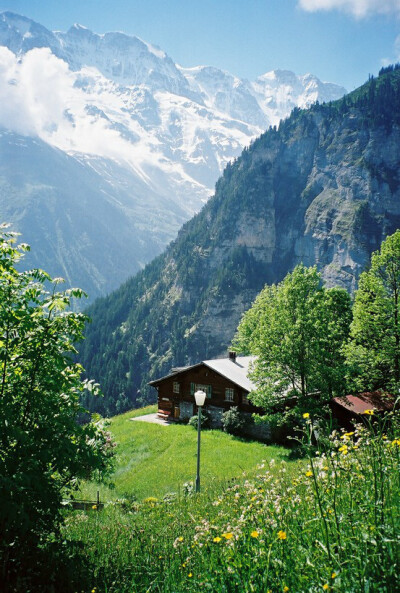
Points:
[(186, 410)]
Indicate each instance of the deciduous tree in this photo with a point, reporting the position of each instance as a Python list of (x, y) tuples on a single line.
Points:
[(44, 451), (373, 352), (296, 329)]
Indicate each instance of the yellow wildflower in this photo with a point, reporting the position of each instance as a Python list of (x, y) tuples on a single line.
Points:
[(309, 473), (306, 415), (254, 534), (349, 434), (217, 539), (94, 507), (190, 575), (180, 539), (325, 587), (285, 589), (227, 535), (369, 412), (333, 575), (282, 534)]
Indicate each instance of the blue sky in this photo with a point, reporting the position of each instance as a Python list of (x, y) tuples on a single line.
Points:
[(341, 41)]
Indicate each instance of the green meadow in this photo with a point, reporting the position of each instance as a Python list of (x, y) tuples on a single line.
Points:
[(155, 460)]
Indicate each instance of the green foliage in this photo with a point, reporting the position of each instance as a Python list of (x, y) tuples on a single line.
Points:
[(373, 352), (329, 524), (296, 329), (233, 421), (205, 420), (44, 452)]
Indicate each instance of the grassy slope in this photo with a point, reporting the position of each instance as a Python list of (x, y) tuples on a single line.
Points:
[(154, 460)]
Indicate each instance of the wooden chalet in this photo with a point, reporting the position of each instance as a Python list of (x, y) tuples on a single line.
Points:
[(224, 380)]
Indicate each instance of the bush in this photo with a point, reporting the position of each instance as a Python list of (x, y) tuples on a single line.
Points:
[(233, 421), (205, 420)]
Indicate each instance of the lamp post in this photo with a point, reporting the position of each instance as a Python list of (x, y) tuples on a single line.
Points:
[(200, 398)]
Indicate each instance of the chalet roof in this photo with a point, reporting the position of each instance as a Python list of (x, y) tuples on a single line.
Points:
[(234, 370), (371, 400)]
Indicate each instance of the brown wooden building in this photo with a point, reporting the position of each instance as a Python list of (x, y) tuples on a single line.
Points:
[(224, 380)]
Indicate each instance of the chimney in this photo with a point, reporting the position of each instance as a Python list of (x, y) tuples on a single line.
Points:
[(232, 356)]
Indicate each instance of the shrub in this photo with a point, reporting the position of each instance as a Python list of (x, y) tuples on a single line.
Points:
[(233, 421), (205, 420)]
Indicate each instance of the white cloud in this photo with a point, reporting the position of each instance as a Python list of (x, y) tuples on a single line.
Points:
[(395, 58), (397, 48), (39, 97), (358, 8)]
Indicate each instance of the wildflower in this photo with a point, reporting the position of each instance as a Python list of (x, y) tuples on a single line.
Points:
[(309, 473), (227, 535), (325, 587), (217, 539), (369, 412), (94, 507), (254, 534), (349, 434), (306, 415), (178, 541), (396, 442), (333, 575), (282, 534), (190, 575), (285, 589)]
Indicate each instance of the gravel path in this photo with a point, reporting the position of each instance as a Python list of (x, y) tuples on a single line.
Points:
[(153, 418)]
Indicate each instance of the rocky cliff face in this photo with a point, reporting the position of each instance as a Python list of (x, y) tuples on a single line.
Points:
[(323, 189)]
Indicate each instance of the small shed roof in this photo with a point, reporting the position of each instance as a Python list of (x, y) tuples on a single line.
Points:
[(370, 400), (236, 370)]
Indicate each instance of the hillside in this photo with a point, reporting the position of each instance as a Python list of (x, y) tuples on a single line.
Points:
[(322, 189)]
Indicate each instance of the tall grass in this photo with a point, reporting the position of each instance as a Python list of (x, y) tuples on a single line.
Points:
[(332, 525)]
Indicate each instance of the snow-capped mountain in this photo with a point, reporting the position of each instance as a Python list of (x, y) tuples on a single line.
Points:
[(116, 103)]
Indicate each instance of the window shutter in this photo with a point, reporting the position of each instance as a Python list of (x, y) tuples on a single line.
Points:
[(209, 391)]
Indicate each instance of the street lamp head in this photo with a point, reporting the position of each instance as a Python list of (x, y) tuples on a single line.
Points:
[(200, 398)]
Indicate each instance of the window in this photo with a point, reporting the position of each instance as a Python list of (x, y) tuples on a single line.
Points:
[(175, 387), (245, 399), (229, 394), (197, 387)]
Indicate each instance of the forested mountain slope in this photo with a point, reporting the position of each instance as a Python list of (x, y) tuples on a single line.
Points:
[(322, 189)]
